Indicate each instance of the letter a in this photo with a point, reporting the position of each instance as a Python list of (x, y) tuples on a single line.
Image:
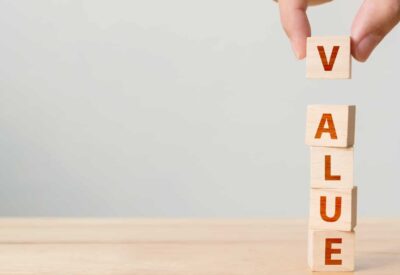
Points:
[(322, 55), (338, 209), (331, 127)]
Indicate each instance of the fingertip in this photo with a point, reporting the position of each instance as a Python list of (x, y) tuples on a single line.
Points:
[(355, 52), (360, 58), (363, 48), (299, 47), (296, 25), (301, 56), (373, 21)]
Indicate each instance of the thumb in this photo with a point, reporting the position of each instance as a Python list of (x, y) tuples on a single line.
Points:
[(375, 19)]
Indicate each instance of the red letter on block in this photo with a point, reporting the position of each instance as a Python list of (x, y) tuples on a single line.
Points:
[(322, 55), (328, 172), (326, 118), (329, 251), (338, 209)]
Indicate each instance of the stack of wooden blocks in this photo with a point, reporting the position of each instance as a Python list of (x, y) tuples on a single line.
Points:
[(330, 133)]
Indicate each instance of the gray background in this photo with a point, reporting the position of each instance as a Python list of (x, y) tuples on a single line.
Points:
[(178, 108)]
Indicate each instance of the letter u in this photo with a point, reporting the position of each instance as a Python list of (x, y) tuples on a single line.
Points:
[(338, 209)]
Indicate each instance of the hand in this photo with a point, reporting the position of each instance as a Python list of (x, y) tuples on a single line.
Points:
[(374, 20)]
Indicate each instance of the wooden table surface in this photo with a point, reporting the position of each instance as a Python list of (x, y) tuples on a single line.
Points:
[(181, 247)]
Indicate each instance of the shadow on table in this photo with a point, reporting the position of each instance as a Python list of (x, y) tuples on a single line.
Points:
[(378, 259), (373, 262)]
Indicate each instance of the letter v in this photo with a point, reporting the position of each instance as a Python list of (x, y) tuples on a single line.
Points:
[(322, 55)]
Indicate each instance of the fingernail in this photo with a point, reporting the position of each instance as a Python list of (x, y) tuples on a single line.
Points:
[(366, 46), (296, 51), (297, 54)]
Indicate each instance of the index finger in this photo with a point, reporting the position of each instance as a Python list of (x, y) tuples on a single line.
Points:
[(295, 23)]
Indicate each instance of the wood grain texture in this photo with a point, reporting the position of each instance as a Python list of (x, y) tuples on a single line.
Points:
[(181, 247), (341, 162), (328, 57), (343, 118), (347, 219), (326, 256)]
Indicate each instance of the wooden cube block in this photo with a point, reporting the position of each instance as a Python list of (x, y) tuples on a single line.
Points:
[(331, 167), (331, 250), (329, 57), (333, 209), (330, 125)]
